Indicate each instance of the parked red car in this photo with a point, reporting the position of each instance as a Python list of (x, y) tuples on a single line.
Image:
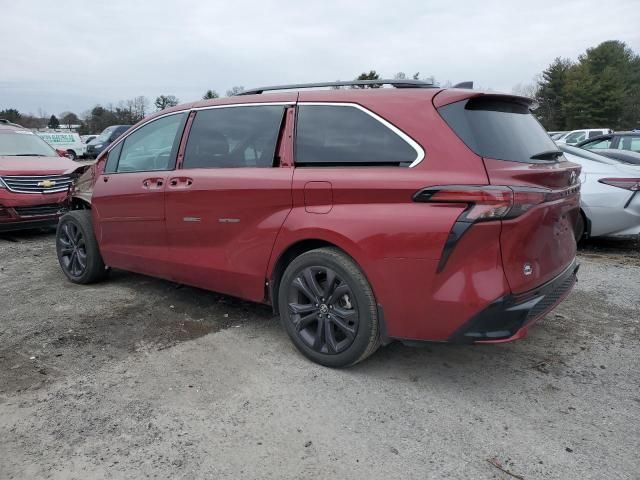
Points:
[(362, 215), (34, 179)]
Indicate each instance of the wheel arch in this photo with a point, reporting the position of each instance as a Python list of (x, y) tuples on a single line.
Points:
[(79, 203), (301, 246), (286, 256), (587, 223)]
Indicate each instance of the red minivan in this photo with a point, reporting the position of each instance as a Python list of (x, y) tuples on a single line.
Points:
[(362, 215), (34, 179)]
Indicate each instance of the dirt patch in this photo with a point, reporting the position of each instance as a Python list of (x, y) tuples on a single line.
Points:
[(72, 328)]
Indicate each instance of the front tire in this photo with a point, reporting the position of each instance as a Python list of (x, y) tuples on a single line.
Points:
[(328, 309), (580, 228), (77, 248)]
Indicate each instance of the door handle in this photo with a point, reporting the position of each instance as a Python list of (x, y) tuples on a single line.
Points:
[(152, 183), (180, 182)]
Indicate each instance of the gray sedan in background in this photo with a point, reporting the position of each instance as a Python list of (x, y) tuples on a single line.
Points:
[(609, 198)]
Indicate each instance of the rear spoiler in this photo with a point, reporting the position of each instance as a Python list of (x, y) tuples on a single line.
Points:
[(448, 96)]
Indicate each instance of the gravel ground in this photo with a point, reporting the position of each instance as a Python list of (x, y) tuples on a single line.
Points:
[(137, 378)]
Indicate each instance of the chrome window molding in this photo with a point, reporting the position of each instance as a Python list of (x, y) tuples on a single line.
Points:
[(415, 145)]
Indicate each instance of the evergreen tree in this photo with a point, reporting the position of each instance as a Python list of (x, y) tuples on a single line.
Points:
[(372, 75), (11, 114), (550, 94), (53, 122)]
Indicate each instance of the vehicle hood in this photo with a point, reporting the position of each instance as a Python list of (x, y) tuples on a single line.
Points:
[(36, 165)]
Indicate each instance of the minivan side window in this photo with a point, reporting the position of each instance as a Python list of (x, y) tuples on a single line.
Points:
[(153, 146), (234, 137), (112, 158), (345, 135)]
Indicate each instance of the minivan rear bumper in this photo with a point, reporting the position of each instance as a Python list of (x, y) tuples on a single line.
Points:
[(509, 317)]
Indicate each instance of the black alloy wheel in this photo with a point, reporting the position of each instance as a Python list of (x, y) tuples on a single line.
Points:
[(323, 310), (73, 250), (77, 248), (328, 309)]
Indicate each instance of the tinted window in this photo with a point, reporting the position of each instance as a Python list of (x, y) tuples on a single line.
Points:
[(234, 137), (629, 143), (112, 159), (153, 146), (338, 135), (498, 129), (575, 137), (595, 133)]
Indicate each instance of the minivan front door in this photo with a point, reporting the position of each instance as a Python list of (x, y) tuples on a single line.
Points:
[(128, 197)]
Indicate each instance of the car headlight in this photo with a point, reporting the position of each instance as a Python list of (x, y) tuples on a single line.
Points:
[(98, 145)]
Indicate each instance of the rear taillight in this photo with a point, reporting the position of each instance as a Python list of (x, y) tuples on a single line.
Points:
[(491, 202), (485, 203), (632, 184)]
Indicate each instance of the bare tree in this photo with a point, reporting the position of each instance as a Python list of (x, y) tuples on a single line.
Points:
[(235, 90), (140, 106), (166, 101), (525, 89)]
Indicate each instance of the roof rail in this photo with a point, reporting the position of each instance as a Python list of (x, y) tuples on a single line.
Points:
[(397, 83)]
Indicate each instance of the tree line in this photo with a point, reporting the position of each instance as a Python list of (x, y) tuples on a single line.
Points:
[(126, 112), (600, 89)]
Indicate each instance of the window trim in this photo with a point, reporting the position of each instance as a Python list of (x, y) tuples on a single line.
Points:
[(191, 120), (420, 153), (122, 139)]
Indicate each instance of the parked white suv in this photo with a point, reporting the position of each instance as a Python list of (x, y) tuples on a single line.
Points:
[(575, 136), (68, 141)]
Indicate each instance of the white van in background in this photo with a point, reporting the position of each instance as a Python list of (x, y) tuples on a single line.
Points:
[(68, 141), (575, 136)]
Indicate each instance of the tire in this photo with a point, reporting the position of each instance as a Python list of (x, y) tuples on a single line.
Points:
[(73, 154), (77, 248), (328, 309), (580, 228)]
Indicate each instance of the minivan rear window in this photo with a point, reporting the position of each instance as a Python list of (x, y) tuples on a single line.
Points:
[(344, 135), (499, 129)]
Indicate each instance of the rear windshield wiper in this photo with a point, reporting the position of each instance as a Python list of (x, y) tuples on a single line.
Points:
[(29, 155), (546, 155)]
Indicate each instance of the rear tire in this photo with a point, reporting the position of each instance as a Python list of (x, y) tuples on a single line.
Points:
[(328, 309), (72, 155), (77, 248)]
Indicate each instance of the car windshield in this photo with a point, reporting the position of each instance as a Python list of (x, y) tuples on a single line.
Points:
[(104, 136), (589, 155), (24, 143)]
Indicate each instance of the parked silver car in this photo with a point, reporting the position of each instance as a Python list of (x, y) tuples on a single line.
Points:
[(609, 198)]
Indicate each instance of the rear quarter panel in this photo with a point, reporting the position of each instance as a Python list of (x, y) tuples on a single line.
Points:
[(396, 241)]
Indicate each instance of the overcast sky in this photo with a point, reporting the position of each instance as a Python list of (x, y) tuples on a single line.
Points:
[(71, 55)]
